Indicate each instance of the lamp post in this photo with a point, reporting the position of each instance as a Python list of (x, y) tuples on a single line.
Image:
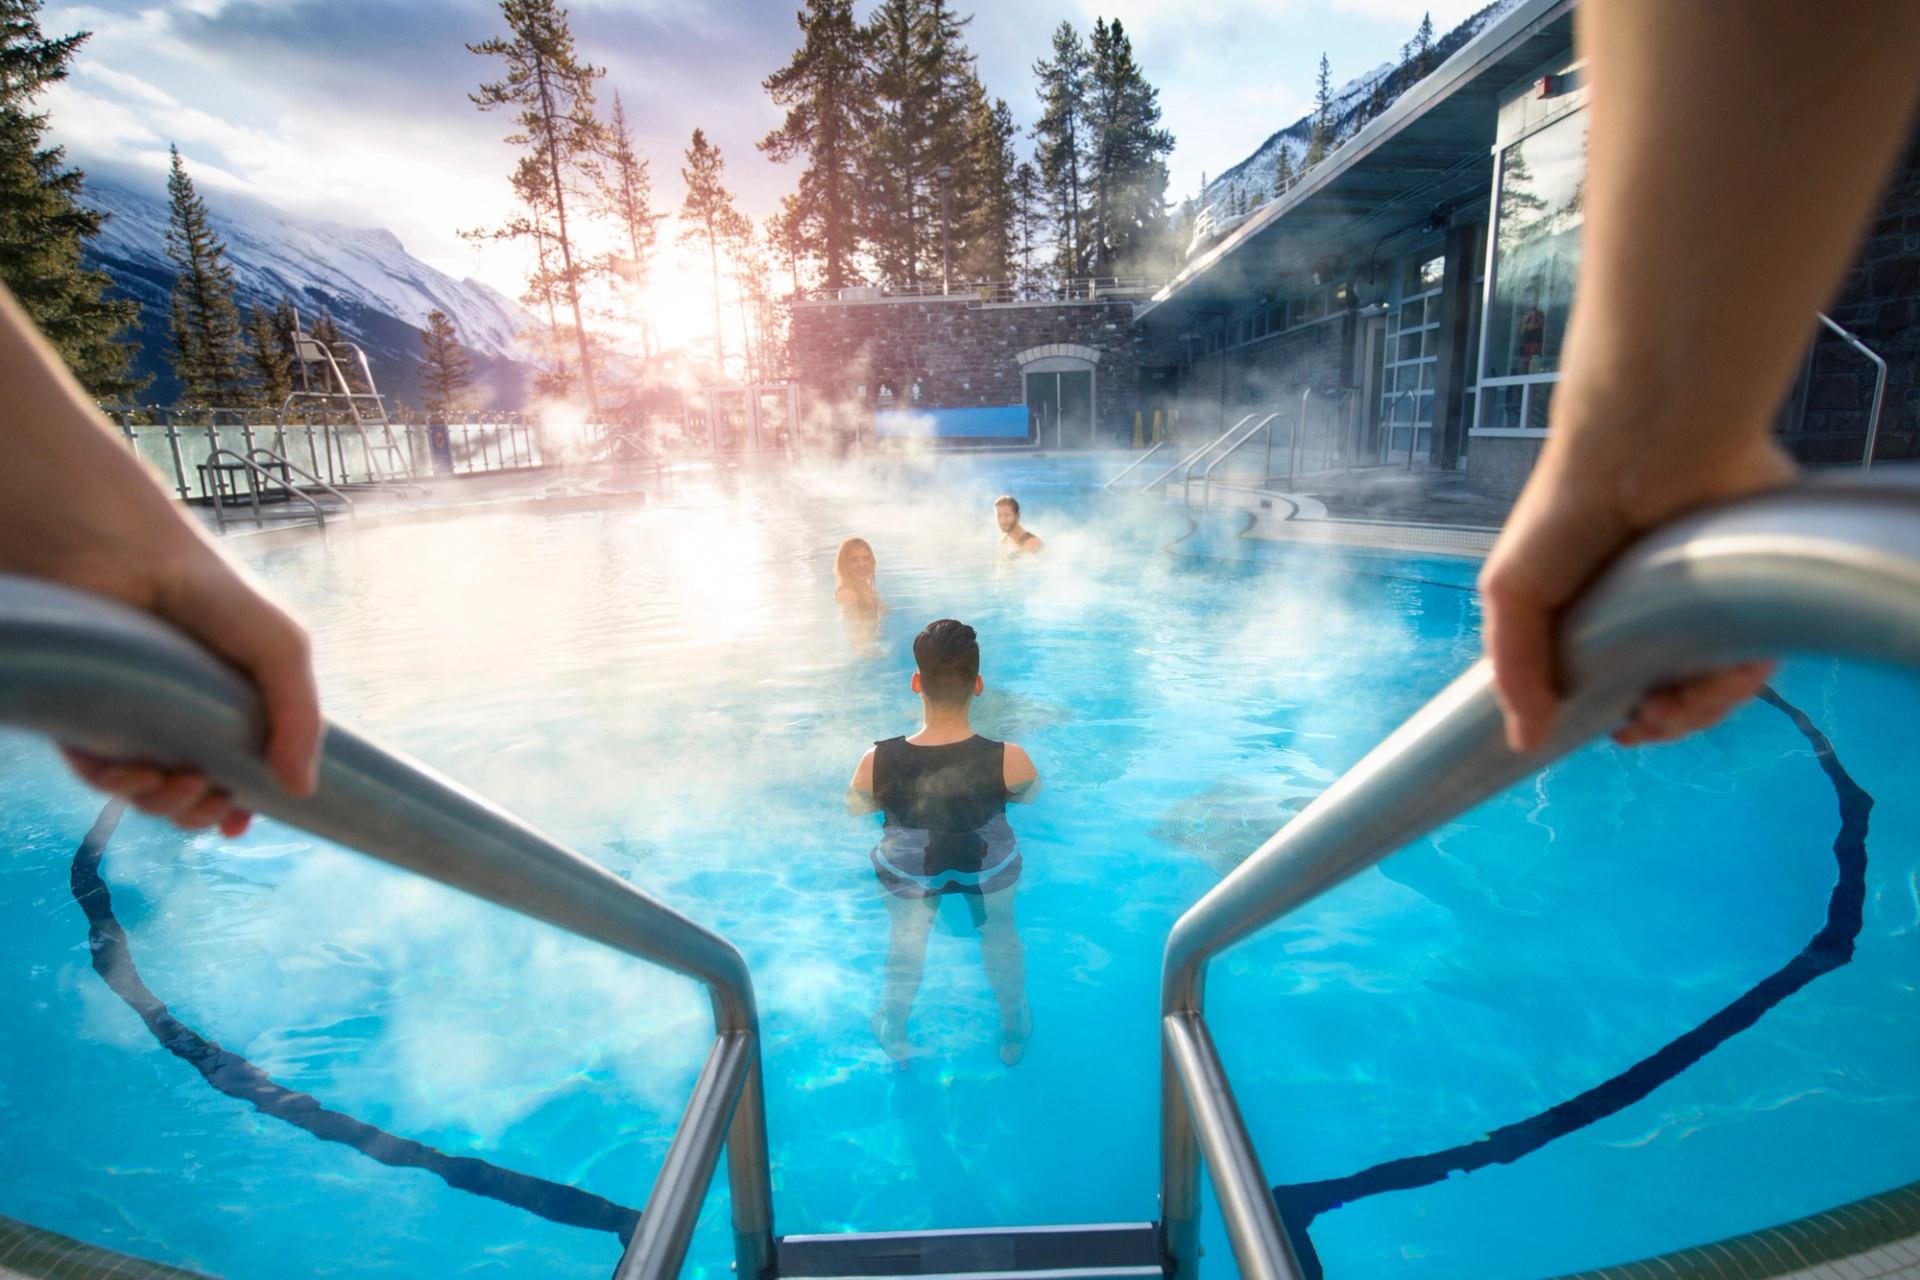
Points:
[(945, 176)]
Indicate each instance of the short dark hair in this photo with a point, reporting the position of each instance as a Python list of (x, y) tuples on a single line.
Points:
[(948, 656), (1008, 500)]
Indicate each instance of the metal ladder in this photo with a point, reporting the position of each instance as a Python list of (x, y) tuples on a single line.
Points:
[(258, 464), (1824, 568)]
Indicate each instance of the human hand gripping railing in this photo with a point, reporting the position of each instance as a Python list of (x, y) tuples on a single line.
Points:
[(119, 683), (1822, 568)]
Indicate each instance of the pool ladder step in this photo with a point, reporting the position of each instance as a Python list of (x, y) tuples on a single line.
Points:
[(1094, 1252)]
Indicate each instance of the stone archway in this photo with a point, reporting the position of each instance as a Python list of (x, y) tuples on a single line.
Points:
[(1057, 386)]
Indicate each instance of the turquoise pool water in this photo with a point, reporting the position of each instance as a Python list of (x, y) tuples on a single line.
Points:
[(669, 689)]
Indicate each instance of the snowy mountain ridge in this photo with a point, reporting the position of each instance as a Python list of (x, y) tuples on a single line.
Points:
[(1237, 194), (377, 293)]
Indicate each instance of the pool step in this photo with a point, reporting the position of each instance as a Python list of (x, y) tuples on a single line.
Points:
[(1094, 1252)]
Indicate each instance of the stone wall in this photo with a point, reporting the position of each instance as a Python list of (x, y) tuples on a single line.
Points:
[(1880, 302), (962, 352)]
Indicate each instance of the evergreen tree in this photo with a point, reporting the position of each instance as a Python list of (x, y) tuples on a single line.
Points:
[(267, 353), (984, 202), (626, 189), (710, 219), (1321, 140), (917, 68), (824, 90), (553, 92), (445, 370), (1129, 149), (787, 238), (1282, 171), (43, 225), (1417, 54), (1059, 144), (1185, 222), (205, 323), (1029, 223)]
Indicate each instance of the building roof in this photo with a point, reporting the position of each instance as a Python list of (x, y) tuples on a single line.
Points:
[(1429, 150)]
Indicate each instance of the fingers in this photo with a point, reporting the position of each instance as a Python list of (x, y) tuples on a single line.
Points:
[(1678, 710), (188, 799), (214, 604), (1519, 640)]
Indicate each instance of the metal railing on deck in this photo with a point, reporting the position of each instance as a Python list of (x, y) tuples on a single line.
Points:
[(326, 443), (1821, 568), (108, 679)]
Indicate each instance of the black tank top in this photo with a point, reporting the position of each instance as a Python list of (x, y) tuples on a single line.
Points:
[(951, 789)]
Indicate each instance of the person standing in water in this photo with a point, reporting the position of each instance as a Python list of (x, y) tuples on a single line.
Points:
[(944, 793), (853, 585), (1015, 538)]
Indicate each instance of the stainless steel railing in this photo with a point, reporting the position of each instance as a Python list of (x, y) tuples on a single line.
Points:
[(1187, 462), (1822, 568), (117, 682), (1158, 446), (1879, 386), (258, 477), (1206, 477)]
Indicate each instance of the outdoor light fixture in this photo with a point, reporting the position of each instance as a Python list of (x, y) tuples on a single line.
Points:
[(944, 173)]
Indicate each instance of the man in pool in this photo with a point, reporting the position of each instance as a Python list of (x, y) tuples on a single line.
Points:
[(944, 793), (1015, 538)]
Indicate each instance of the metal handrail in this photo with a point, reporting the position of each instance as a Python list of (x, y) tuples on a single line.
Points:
[(1879, 386), (1188, 461), (1206, 477), (1824, 568), (254, 469), (276, 457), (119, 683), (1158, 446)]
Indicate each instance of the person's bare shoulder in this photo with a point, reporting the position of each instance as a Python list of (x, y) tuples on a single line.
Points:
[(1022, 778), (860, 797), (1033, 543)]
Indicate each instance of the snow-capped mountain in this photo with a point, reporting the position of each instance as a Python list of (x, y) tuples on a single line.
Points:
[(377, 293), (1241, 191)]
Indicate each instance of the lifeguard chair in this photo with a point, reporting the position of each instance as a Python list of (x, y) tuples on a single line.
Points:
[(323, 382)]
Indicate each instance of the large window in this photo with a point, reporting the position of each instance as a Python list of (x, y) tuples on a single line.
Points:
[(1536, 256), (1412, 350)]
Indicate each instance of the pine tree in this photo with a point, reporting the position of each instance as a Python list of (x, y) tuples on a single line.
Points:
[(1282, 171), (984, 202), (1185, 222), (710, 219), (1059, 144), (205, 323), (43, 226), (1129, 208), (787, 237), (445, 370), (917, 68), (824, 90), (626, 191), (267, 353), (1418, 52), (553, 91), (1321, 140), (1029, 222)]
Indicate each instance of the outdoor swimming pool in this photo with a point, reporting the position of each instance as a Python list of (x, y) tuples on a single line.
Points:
[(669, 689)]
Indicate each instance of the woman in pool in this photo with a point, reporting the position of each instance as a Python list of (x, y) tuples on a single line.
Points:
[(853, 587)]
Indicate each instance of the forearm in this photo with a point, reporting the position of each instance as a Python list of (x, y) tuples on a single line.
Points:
[(1734, 157), (68, 484)]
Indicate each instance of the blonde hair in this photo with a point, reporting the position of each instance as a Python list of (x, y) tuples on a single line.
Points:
[(841, 557)]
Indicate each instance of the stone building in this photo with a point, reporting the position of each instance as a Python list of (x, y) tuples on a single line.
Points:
[(1414, 288), (1063, 374), (1406, 299)]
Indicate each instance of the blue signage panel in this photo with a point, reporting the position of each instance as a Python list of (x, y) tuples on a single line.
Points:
[(993, 422)]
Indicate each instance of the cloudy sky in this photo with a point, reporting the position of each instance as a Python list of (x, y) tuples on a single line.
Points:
[(356, 110)]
